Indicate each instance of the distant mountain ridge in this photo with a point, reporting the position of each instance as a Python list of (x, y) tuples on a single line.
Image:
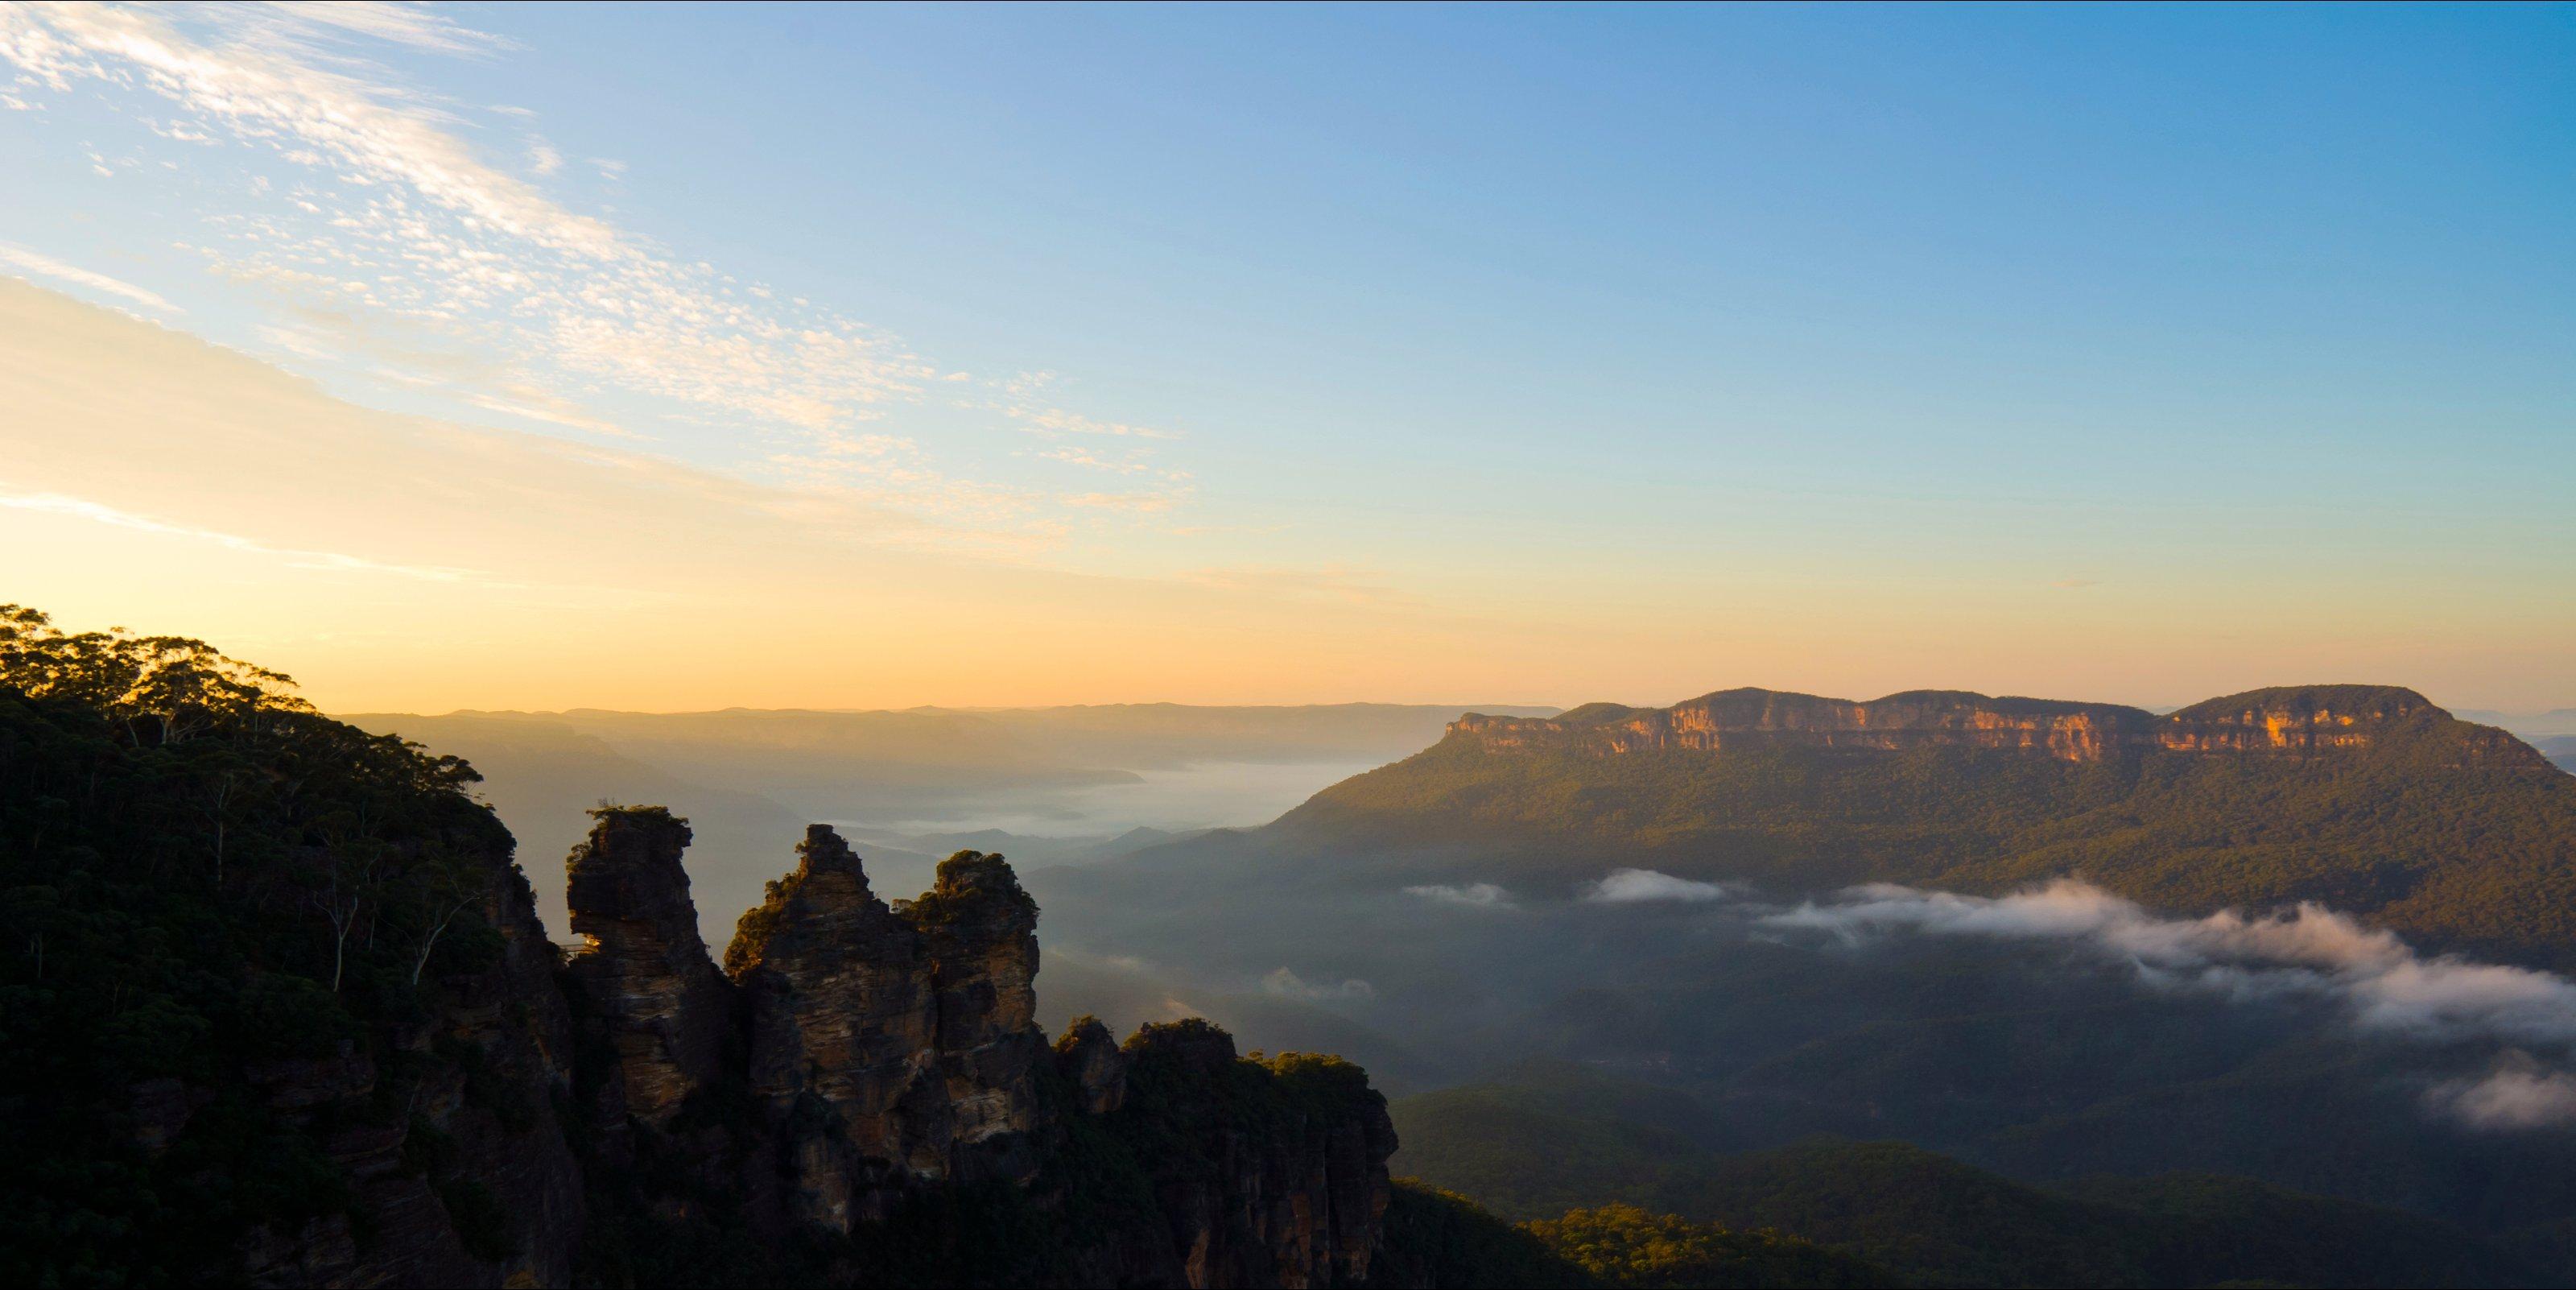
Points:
[(2301, 720), (2369, 798)]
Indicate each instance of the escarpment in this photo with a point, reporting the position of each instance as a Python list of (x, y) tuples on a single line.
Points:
[(2296, 721), (475, 1181), (2370, 799)]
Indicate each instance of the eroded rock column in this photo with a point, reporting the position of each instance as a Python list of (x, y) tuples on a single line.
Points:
[(843, 1028), (982, 933), (645, 972)]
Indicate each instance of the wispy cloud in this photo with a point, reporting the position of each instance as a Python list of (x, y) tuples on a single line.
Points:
[(1331, 582), (46, 266), (2381, 984), (1153, 502), (1058, 421), (1634, 886), (1288, 985), (417, 25), (538, 405), (2518, 1094), (1477, 895), (97, 513), (397, 216), (1084, 457)]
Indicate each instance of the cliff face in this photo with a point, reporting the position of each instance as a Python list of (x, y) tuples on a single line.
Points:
[(1286, 1183), (476, 1183), (842, 1022), (2296, 721)]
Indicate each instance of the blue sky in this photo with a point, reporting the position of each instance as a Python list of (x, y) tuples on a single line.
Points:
[(1585, 306)]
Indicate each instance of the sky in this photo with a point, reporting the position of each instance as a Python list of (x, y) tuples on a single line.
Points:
[(677, 357)]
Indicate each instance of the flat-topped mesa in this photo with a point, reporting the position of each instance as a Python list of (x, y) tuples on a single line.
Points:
[(1752, 718), (2295, 720), (982, 932), (645, 971), (2311, 719)]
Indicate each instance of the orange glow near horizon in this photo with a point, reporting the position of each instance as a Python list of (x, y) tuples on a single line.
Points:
[(395, 563)]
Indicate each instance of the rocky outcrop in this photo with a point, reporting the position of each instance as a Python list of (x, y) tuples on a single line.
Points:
[(862, 1096), (883, 1054), (982, 933), (2302, 721), (1285, 1183), (1088, 1056), (851, 1019), (914, 1025), (644, 972)]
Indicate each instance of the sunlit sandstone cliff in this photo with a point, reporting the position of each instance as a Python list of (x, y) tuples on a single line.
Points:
[(2368, 798), (2301, 721)]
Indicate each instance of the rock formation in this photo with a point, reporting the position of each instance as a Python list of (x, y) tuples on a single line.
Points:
[(909, 1032), (982, 933), (888, 1053), (1271, 1195), (645, 971), (860, 1061), (1089, 1056)]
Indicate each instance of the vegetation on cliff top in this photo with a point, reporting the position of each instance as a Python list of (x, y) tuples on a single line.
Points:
[(203, 881), (972, 883)]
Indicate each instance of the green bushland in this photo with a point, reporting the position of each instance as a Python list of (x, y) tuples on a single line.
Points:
[(1623, 1245), (1919, 1216)]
